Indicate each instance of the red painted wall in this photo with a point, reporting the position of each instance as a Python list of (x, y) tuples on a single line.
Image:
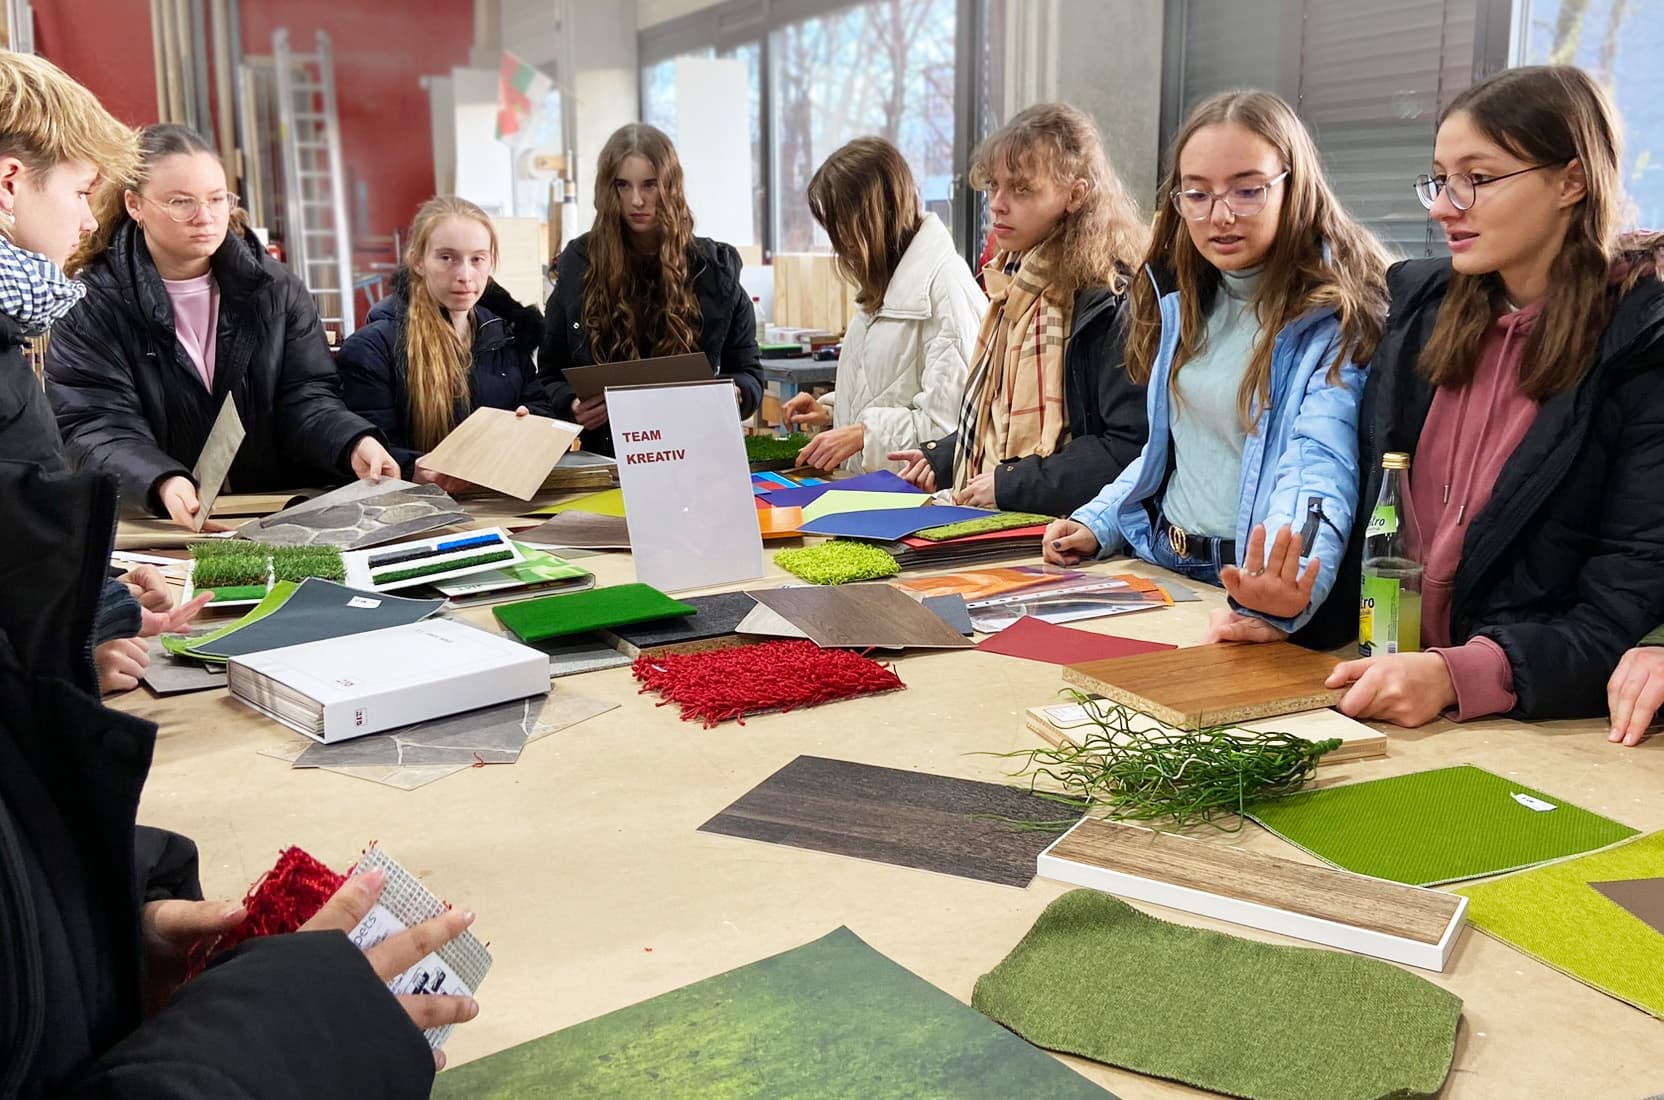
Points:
[(381, 52)]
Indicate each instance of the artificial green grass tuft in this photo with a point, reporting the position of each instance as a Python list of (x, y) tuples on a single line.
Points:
[(296, 563), (1097, 978), (838, 563), (597, 609), (237, 593), (774, 450), (226, 564)]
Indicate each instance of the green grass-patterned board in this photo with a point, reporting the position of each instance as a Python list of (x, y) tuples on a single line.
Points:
[(1002, 521), (597, 609), (1434, 827), (832, 1020)]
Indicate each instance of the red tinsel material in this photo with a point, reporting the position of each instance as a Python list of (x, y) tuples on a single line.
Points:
[(717, 685), (279, 902)]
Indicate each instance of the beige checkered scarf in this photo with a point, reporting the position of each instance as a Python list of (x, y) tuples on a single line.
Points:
[(1014, 398)]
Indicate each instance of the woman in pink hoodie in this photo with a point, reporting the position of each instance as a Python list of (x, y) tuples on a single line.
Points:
[(1525, 375)]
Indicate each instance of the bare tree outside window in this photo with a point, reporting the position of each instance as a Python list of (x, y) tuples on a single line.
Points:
[(885, 67), (1619, 43)]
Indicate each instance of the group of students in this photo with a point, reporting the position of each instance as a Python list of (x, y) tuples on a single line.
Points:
[(1212, 392)]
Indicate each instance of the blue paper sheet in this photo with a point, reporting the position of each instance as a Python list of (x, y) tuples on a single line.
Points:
[(890, 524), (879, 481)]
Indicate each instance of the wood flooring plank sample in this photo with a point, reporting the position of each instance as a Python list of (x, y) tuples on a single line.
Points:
[(861, 615), (714, 625), (1406, 924), (579, 531), (501, 451), (1213, 685), (911, 819)]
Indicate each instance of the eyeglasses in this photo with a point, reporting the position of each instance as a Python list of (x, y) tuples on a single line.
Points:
[(182, 209), (1242, 202), (1462, 188)]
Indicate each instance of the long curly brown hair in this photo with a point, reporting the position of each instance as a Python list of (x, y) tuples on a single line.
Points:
[(1098, 244), (1549, 114), (1321, 258), (624, 292)]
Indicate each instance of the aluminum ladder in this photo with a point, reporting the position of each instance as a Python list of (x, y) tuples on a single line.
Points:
[(316, 238)]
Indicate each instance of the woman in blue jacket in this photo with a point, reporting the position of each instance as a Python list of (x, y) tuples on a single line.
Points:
[(1259, 299), (447, 341)]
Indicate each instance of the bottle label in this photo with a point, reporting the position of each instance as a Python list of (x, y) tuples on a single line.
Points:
[(1382, 521), (1389, 618)]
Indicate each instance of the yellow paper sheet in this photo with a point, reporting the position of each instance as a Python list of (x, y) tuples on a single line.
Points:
[(609, 503), (839, 501)]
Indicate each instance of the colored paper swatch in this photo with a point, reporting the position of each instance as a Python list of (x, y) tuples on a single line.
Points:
[(1036, 640), (890, 524), (597, 609), (833, 1019), (607, 503), (1560, 915), (841, 501), (779, 523), (1433, 827), (1097, 978), (911, 819), (879, 481)]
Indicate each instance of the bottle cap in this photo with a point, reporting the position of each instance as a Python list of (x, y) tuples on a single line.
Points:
[(1395, 460)]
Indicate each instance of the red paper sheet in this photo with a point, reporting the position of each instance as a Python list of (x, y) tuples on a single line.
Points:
[(1037, 640)]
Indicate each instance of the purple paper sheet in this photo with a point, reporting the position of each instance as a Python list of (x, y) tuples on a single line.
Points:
[(890, 524), (879, 481)]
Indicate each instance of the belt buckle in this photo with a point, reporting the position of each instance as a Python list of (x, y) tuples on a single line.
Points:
[(1177, 539)]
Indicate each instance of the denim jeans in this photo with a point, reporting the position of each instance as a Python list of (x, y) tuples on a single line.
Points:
[(1205, 569)]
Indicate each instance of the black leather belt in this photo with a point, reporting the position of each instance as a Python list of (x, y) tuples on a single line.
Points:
[(1196, 547)]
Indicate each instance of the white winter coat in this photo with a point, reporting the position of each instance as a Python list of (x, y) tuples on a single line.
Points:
[(901, 372)]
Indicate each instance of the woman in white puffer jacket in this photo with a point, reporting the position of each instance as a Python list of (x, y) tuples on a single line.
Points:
[(906, 356)]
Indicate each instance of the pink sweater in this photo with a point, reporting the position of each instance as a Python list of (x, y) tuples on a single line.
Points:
[(1469, 435), (196, 318)]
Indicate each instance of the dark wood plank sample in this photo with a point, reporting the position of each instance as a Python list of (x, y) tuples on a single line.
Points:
[(861, 615), (911, 819), (1213, 685)]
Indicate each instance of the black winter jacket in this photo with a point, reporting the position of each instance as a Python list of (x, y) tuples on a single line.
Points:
[(130, 403), (1564, 566), (29, 435), (375, 371), (289, 1016), (727, 333), (1107, 421)]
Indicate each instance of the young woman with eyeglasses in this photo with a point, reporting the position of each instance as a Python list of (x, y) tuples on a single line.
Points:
[(1525, 375), (184, 308), (1259, 299)]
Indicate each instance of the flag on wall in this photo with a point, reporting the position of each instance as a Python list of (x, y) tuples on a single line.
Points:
[(521, 90)]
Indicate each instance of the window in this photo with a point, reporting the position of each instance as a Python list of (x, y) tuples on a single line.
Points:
[(885, 67), (1619, 43), (659, 107)]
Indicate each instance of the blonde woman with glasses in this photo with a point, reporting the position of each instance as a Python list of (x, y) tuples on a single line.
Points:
[(183, 310), (1259, 303)]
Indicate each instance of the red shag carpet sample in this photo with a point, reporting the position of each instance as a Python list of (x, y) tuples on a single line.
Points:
[(717, 685)]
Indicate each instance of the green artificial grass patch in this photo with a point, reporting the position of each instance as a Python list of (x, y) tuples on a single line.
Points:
[(393, 576), (297, 563), (1097, 978), (987, 525), (837, 563), (228, 564), (237, 593), (597, 609), (773, 450)]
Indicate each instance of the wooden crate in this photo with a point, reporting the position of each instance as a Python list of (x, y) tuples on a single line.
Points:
[(809, 292)]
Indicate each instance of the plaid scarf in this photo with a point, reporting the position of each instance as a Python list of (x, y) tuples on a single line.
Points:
[(1014, 397), (33, 292)]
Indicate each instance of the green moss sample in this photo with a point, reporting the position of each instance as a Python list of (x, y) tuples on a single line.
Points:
[(770, 451)]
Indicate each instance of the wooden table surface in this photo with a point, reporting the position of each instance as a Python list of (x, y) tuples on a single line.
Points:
[(595, 890)]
